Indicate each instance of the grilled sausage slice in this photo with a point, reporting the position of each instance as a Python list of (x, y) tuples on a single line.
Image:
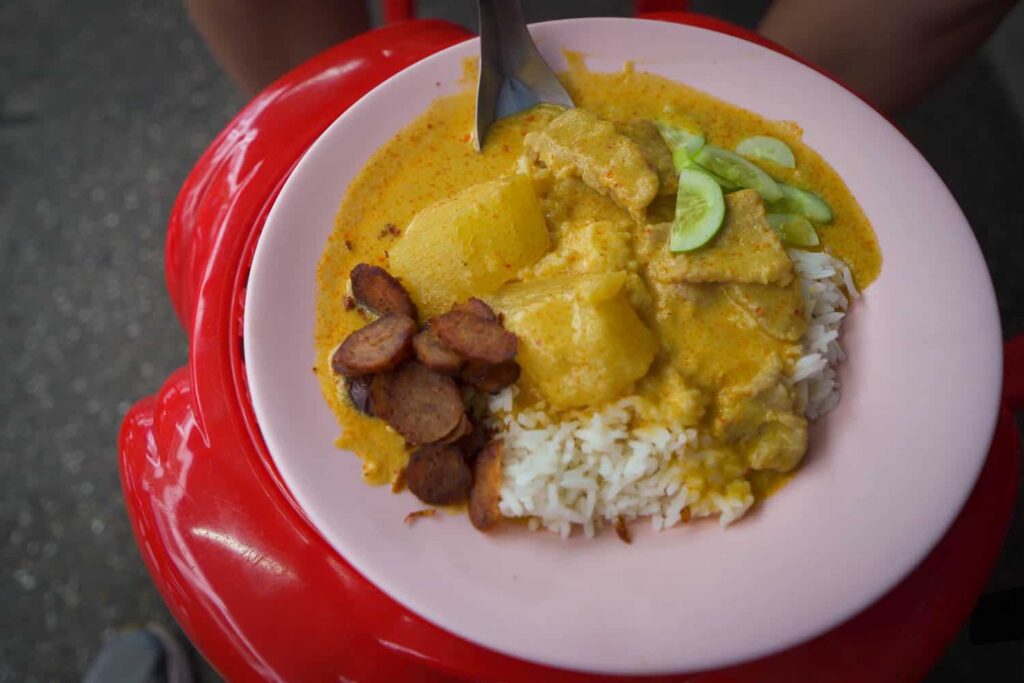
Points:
[(437, 475), (490, 379), (477, 308), (475, 338), (473, 441), (435, 354), (379, 346), (422, 405), (463, 428), (378, 290), (486, 492), (380, 395)]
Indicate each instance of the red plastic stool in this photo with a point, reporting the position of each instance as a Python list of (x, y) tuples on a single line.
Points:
[(246, 575)]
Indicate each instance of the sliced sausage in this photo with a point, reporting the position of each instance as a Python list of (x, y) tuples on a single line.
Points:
[(379, 346), (474, 440), (437, 475), (475, 338), (422, 405), (474, 371), (490, 379), (435, 354), (359, 393), (463, 428), (376, 289), (380, 395), (477, 308), (486, 492)]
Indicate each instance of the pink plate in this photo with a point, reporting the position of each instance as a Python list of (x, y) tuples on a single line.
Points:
[(888, 471)]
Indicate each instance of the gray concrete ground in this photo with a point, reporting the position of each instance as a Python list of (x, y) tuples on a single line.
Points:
[(104, 106)]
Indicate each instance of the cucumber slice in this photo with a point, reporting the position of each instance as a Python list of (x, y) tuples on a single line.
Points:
[(738, 170), (727, 185), (795, 230), (767, 148), (683, 143), (807, 204), (682, 160), (700, 211)]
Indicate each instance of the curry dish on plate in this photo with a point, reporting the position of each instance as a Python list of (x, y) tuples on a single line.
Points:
[(626, 310)]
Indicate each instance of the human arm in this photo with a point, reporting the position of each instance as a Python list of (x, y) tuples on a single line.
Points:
[(890, 51), (256, 41)]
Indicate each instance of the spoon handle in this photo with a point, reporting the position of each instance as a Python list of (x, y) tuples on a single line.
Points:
[(504, 37), (513, 75)]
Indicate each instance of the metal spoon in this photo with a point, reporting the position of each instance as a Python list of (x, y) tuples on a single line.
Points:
[(513, 75)]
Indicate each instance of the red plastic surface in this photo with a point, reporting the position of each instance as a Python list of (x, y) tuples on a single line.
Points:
[(399, 10), (248, 578), (649, 6)]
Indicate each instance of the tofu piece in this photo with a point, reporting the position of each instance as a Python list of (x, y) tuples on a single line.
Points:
[(746, 250), (779, 311), (580, 341), (655, 152), (579, 143), (471, 244)]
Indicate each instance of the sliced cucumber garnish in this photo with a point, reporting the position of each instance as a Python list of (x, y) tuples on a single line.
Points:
[(738, 170), (700, 211), (726, 185), (795, 230), (767, 148), (682, 160), (807, 204), (683, 143)]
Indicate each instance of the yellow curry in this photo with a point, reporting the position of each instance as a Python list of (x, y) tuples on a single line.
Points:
[(573, 253)]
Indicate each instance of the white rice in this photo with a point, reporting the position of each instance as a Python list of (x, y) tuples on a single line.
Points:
[(823, 280), (591, 471)]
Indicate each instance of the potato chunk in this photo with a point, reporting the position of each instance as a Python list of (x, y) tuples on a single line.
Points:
[(580, 342), (471, 244)]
